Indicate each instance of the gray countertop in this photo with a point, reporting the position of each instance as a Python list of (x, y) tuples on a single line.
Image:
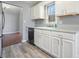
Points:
[(72, 31)]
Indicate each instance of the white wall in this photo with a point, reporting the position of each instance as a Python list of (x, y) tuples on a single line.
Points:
[(11, 23), (27, 21), (21, 20)]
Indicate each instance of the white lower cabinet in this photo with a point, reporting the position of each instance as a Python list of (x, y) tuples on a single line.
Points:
[(36, 37), (41, 41), (67, 48), (47, 43), (56, 46)]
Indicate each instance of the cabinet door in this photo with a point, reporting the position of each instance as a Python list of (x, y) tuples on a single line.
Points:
[(67, 48), (76, 7), (47, 43), (69, 7), (72, 7), (41, 12), (41, 41), (56, 46), (38, 11), (36, 37), (59, 8), (32, 12)]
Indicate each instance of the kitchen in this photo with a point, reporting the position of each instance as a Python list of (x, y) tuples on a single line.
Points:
[(56, 30), (52, 27)]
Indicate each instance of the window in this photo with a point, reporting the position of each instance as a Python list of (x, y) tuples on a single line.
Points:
[(51, 12)]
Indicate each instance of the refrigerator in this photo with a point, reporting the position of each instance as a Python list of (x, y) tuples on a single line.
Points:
[(2, 18)]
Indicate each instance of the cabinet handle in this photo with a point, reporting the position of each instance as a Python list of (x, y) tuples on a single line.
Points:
[(61, 42), (58, 42)]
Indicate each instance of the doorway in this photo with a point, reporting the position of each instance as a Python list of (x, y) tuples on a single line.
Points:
[(12, 29)]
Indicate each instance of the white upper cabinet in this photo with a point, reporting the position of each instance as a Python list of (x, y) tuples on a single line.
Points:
[(37, 11), (76, 7), (70, 8), (67, 8), (59, 10), (62, 8)]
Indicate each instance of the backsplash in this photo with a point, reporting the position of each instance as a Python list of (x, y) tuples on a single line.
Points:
[(40, 23), (70, 20)]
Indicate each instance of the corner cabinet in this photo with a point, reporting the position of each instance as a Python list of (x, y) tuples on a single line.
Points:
[(37, 11)]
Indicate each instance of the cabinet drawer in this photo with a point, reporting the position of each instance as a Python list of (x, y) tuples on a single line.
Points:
[(56, 34), (46, 32), (68, 36), (63, 35), (38, 31)]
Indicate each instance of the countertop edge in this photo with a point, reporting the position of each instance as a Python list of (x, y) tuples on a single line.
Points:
[(74, 32)]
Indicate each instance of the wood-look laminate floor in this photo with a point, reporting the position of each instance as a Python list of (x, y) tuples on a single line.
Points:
[(10, 39), (23, 50)]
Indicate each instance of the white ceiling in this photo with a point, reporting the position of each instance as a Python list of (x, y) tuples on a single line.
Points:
[(28, 2), (10, 8), (21, 3)]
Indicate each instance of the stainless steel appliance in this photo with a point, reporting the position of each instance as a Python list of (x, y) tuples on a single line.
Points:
[(2, 22)]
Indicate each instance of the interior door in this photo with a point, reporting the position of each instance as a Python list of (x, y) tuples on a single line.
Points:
[(67, 49), (0, 29)]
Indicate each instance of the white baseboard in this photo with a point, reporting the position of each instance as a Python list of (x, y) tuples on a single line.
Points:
[(24, 40), (11, 32)]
